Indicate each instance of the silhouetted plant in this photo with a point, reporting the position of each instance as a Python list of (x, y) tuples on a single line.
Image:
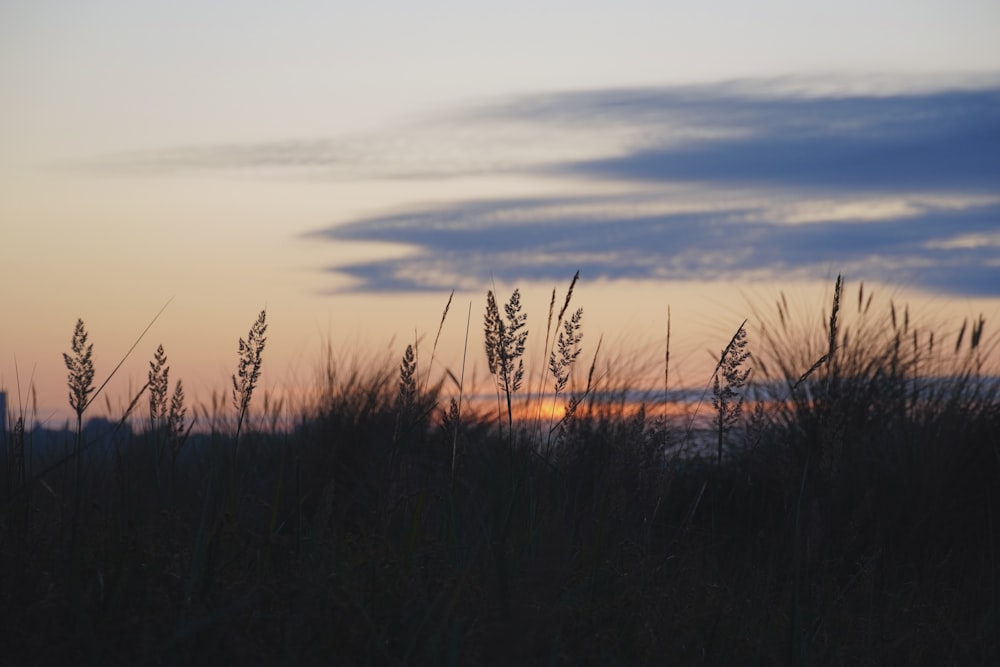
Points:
[(569, 418), (890, 552), (158, 383), (557, 319), (568, 349), (562, 359), (437, 337), (159, 374), (726, 396), (81, 371), (505, 342), (491, 341), (244, 383), (248, 372), (407, 397), (81, 385), (455, 409), (407, 379), (177, 432)]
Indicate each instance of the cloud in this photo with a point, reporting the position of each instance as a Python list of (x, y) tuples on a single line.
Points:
[(727, 134), (474, 142), (897, 187), (776, 179), (946, 141), (466, 243)]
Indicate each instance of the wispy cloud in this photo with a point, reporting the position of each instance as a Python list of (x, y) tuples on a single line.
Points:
[(764, 179), (464, 244), (741, 132), (475, 142), (901, 188)]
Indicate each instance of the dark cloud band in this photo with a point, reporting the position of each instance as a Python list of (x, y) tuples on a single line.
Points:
[(742, 147), (848, 148), (470, 242)]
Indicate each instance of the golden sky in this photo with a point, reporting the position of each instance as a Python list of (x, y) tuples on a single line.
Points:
[(346, 167)]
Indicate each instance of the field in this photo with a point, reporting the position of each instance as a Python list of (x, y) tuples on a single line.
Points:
[(831, 496)]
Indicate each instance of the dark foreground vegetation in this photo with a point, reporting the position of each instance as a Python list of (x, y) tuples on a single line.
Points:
[(838, 502)]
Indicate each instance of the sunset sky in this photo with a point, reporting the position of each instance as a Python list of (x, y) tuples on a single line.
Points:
[(346, 165)]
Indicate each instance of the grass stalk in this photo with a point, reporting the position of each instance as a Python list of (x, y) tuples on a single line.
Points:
[(244, 383), (461, 389)]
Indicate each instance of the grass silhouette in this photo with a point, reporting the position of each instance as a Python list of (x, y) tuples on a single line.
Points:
[(848, 515)]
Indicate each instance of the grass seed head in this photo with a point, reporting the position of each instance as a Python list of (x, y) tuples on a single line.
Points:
[(81, 369)]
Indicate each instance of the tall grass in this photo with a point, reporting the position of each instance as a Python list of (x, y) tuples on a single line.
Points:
[(80, 364), (505, 340), (849, 517), (729, 378)]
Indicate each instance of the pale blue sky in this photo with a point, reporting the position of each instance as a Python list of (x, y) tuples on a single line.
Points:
[(145, 74)]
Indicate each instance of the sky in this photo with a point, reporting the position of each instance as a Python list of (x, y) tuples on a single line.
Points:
[(347, 165)]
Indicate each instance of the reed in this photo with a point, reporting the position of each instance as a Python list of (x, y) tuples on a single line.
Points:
[(729, 379), (80, 364), (244, 382), (859, 527), (248, 370), (505, 340), (455, 407), (564, 356)]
